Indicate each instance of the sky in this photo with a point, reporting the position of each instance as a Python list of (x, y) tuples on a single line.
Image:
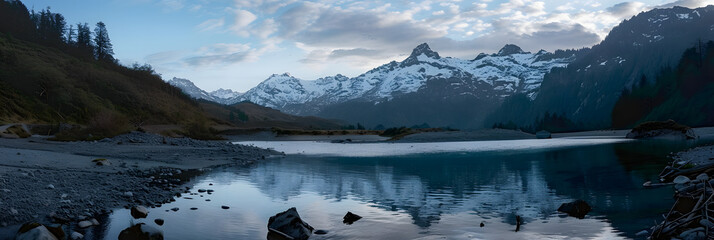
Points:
[(237, 44)]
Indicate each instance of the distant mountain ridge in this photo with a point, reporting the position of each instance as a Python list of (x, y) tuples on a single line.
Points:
[(510, 71), (222, 96)]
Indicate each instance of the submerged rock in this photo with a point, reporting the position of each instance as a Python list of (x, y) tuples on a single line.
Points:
[(577, 208), (320, 232), (139, 212), (141, 231), (159, 221), (350, 218), (666, 129), (289, 224)]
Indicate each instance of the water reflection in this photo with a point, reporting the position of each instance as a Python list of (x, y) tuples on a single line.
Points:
[(444, 194)]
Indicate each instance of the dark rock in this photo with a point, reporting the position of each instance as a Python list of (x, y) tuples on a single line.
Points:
[(139, 212), (666, 129), (518, 223), (194, 208), (320, 232), (141, 231), (175, 209), (350, 218), (577, 208), (542, 134), (159, 221), (34, 231), (289, 224), (225, 207), (482, 225)]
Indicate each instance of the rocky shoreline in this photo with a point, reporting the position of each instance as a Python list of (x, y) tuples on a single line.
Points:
[(67, 182)]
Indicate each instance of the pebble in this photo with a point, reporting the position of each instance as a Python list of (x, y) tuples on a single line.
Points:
[(50, 186), (702, 177), (76, 236), (201, 190), (128, 194), (225, 207), (85, 224), (175, 209), (194, 208), (159, 221), (681, 180), (320, 232)]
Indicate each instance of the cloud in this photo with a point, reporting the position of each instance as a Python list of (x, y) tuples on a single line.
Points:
[(211, 24), (626, 9), (688, 3), (242, 19), (221, 54), (172, 5)]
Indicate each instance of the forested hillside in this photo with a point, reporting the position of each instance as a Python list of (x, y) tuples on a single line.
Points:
[(683, 94)]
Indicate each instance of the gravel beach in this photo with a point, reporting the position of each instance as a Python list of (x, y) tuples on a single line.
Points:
[(66, 182)]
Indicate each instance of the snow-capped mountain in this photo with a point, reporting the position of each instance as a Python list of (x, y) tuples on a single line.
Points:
[(509, 71), (222, 96)]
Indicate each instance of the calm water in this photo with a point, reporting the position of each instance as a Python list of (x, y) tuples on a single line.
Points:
[(442, 191)]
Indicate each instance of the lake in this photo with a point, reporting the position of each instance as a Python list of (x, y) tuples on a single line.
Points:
[(429, 191)]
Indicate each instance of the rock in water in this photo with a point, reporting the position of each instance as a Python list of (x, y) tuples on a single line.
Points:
[(667, 129), (141, 231), (350, 218), (139, 212), (289, 224), (577, 208), (159, 221), (320, 232), (34, 231)]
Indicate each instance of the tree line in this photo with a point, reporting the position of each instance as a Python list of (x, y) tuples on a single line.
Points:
[(682, 93), (48, 28)]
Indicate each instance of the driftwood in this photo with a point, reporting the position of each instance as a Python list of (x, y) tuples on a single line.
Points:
[(692, 214)]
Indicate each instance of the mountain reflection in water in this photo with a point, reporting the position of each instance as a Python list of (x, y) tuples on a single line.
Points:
[(434, 194)]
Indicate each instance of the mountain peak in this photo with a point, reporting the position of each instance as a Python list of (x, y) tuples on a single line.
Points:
[(509, 49), (424, 49), (287, 74)]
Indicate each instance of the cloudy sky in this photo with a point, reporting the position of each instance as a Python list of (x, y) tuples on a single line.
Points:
[(237, 44)]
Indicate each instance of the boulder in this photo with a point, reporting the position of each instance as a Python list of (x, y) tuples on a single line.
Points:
[(543, 134), (159, 221), (141, 231), (139, 212), (668, 129), (577, 208), (350, 218), (34, 231), (290, 225)]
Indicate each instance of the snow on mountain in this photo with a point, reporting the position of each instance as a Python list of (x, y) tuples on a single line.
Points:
[(225, 94), (190, 89), (222, 96), (509, 71)]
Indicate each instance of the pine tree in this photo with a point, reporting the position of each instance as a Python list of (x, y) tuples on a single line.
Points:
[(103, 46), (71, 35)]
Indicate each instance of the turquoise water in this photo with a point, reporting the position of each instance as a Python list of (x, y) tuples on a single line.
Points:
[(431, 194)]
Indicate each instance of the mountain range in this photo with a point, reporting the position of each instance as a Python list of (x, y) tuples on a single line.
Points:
[(510, 85)]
